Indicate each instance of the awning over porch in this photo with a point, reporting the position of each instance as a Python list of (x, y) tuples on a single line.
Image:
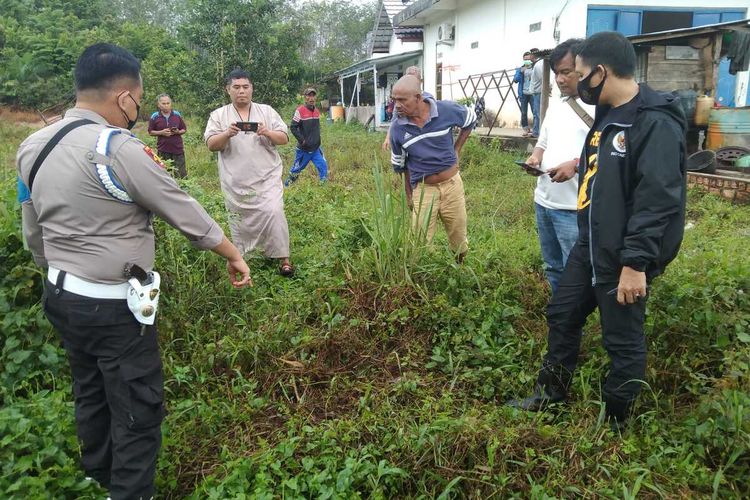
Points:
[(377, 63), (381, 72)]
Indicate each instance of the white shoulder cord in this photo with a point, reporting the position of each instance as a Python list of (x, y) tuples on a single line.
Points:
[(104, 172)]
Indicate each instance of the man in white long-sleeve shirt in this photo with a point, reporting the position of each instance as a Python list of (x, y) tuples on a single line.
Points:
[(561, 139)]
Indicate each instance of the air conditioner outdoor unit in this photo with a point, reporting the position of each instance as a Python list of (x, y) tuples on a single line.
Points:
[(446, 32)]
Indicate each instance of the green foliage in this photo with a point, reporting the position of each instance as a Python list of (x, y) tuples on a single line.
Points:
[(38, 449), (336, 32), (309, 464), (721, 430), (233, 33), (380, 369), (397, 245), (28, 361), (37, 56), (186, 46)]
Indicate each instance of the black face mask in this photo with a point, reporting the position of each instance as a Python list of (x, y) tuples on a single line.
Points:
[(589, 94), (131, 123), (310, 106)]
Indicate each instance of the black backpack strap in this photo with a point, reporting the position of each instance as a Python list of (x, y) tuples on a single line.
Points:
[(51, 145)]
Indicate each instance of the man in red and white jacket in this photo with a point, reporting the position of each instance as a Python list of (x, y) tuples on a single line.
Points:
[(305, 127)]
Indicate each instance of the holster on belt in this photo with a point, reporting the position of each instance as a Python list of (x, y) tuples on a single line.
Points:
[(143, 294)]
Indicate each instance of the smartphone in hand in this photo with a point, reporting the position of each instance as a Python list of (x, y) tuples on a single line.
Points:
[(526, 166), (247, 126)]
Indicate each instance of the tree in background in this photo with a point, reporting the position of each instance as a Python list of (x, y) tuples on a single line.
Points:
[(39, 44), (257, 36), (186, 46), (167, 14), (335, 35)]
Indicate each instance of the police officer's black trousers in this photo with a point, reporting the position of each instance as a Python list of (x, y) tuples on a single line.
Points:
[(622, 329), (118, 388)]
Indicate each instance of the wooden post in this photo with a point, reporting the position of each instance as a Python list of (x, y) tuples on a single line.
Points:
[(545, 91), (715, 66)]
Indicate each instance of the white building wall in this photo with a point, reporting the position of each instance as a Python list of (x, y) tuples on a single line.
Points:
[(399, 47), (501, 28)]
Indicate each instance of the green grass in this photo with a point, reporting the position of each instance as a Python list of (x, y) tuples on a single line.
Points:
[(381, 368)]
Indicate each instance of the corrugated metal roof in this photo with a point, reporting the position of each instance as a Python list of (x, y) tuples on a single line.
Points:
[(378, 62), (393, 7), (743, 24), (383, 29)]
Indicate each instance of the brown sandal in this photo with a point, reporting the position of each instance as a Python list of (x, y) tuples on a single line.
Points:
[(286, 270)]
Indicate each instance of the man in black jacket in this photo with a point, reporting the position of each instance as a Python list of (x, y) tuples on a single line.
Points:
[(631, 217), (306, 128)]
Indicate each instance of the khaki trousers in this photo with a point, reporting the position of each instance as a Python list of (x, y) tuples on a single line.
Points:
[(449, 204)]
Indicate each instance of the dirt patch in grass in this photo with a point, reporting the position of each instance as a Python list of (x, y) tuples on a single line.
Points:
[(21, 117), (353, 358), (341, 367)]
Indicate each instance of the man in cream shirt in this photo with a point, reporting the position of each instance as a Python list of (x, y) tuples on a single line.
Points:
[(556, 153)]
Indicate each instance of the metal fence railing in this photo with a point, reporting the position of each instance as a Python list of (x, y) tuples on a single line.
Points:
[(501, 81)]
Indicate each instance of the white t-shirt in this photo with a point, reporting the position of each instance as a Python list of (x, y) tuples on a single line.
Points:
[(562, 135)]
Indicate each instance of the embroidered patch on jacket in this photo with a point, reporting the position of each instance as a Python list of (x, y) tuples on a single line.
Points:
[(619, 141), (153, 156)]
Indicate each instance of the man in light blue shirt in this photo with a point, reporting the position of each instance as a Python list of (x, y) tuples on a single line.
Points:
[(523, 79)]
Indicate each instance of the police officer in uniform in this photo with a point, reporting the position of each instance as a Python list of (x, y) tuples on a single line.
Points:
[(87, 210)]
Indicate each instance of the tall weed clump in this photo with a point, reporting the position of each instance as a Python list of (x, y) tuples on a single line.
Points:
[(397, 244)]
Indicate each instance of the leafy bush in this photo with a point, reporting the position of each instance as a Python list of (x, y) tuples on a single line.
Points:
[(30, 357), (38, 449)]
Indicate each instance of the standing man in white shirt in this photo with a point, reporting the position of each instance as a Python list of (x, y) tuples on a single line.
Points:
[(250, 170), (561, 139)]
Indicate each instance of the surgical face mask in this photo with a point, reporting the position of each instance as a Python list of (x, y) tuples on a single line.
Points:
[(131, 123), (589, 94), (527, 63)]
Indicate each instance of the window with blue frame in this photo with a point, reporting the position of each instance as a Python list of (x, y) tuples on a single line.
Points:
[(636, 20)]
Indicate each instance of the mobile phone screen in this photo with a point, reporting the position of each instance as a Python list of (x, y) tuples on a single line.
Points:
[(248, 126)]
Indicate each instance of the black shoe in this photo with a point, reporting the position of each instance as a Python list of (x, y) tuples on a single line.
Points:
[(551, 388), (617, 412), (541, 399)]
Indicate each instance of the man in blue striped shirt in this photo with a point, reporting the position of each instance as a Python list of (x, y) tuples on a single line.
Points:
[(422, 149)]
